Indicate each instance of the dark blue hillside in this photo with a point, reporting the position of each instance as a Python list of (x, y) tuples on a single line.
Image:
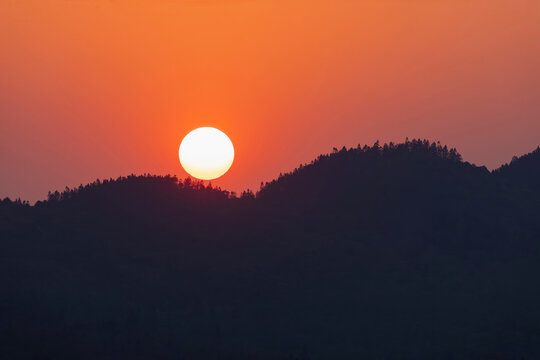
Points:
[(400, 251)]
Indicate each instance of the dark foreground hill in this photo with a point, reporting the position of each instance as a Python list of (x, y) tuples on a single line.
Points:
[(385, 252)]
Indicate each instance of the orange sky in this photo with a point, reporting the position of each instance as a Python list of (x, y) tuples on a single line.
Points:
[(101, 88)]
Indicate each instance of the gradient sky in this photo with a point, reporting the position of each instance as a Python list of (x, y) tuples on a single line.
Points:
[(101, 88)]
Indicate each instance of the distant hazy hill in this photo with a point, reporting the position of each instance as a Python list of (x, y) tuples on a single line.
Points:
[(385, 252)]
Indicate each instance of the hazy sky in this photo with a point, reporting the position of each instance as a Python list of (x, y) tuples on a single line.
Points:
[(101, 88)]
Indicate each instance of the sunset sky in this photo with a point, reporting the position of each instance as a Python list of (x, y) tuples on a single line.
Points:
[(101, 88)]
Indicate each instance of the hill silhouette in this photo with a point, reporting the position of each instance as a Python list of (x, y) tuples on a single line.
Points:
[(524, 170), (394, 251)]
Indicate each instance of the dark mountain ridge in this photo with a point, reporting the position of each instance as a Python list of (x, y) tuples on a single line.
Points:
[(400, 251), (522, 171)]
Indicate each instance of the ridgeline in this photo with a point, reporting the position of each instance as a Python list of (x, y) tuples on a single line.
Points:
[(394, 251)]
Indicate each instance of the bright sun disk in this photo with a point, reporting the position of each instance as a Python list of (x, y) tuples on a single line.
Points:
[(206, 153)]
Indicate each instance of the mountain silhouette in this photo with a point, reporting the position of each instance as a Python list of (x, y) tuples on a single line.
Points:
[(394, 251), (524, 171)]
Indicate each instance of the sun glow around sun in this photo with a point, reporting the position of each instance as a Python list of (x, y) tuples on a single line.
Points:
[(206, 153)]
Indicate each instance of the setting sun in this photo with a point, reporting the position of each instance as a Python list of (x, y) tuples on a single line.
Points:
[(206, 153)]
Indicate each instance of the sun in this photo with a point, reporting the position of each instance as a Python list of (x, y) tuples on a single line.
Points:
[(206, 153)]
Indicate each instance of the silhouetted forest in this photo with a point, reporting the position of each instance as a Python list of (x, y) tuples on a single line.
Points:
[(394, 251)]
